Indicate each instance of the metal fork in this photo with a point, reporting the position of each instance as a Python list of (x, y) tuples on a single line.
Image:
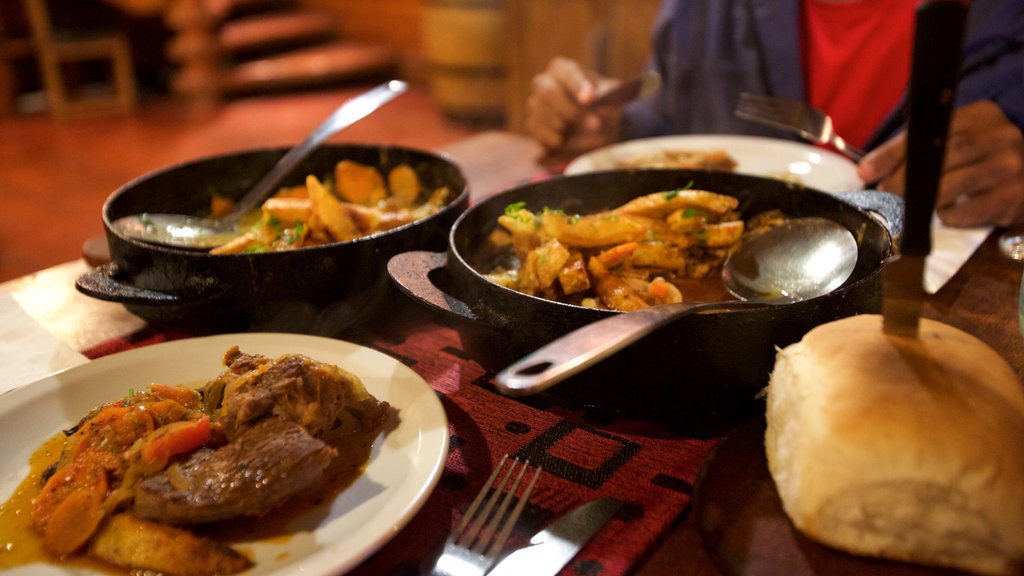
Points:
[(477, 541), (794, 116)]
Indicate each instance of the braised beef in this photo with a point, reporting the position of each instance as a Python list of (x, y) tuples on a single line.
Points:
[(315, 395), (270, 462)]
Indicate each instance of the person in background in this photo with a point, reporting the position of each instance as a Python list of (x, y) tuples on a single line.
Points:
[(848, 57)]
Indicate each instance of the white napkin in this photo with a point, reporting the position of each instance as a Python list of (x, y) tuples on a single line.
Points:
[(951, 247), (28, 351)]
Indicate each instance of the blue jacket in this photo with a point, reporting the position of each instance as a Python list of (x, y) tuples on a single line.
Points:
[(708, 51)]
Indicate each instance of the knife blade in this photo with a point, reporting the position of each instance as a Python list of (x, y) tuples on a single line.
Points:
[(553, 547), (938, 38), (643, 85)]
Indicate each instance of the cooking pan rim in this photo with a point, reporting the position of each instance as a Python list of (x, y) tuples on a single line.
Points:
[(458, 202), (796, 186)]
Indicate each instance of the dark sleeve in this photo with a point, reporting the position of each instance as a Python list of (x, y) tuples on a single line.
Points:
[(993, 64), (994, 57), (708, 52)]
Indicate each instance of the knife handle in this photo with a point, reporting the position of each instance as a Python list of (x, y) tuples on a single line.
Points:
[(938, 39)]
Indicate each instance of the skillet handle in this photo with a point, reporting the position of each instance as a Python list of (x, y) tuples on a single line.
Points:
[(103, 283), (410, 271), (885, 206)]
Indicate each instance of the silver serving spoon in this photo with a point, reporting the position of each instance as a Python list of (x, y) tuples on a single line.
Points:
[(185, 231), (801, 259)]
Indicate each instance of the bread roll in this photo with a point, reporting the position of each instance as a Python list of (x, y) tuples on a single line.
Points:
[(901, 448)]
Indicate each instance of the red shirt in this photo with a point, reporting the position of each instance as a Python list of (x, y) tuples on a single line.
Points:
[(856, 57)]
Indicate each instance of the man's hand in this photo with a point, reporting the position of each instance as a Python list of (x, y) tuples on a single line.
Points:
[(556, 110), (983, 174)]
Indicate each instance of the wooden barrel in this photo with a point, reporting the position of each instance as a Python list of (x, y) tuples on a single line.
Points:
[(464, 43)]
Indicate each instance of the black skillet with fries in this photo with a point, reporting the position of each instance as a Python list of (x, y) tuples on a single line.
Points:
[(281, 277), (707, 367)]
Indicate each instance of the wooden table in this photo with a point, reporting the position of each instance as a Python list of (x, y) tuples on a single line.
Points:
[(982, 299)]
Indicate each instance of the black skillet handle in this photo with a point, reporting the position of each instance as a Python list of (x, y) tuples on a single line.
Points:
[(108, 282), (885, 207), (938, 40), (410, 271), (103, 283)]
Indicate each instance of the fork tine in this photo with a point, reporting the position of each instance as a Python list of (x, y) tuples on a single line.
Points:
[(506, 530), (496, 518), (471, 511), (771, 104), (764, 101), (794, 116), (768, 110), (789, 115), (478, 532), (480, 535)]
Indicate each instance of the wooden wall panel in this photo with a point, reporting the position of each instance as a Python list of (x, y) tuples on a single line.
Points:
[(611, 36), (629, 47)]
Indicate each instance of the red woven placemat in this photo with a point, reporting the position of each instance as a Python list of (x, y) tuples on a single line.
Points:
[(650, 469)]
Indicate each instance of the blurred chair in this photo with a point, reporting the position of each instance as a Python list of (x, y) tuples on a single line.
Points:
[(227, 48), (56, 48), (15, 45)]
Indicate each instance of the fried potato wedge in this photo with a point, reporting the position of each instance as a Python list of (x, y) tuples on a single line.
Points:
[(288, 210), (593, 230), (329, 214), (359, 183), (127, 541), (404, 185), (661, 204)]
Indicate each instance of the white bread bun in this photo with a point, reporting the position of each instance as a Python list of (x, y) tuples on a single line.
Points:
[(901, 448)]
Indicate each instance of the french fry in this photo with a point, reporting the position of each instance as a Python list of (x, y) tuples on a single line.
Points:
[(329, 213), (724, 234), (593, 230), (404, 185), (661, 204), (288, 210), (359, 183)]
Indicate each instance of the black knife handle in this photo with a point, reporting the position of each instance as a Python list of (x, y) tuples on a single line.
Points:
[(938, 41)]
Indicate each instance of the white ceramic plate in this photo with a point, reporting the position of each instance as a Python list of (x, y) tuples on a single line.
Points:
[(809, 165), (405, 463)]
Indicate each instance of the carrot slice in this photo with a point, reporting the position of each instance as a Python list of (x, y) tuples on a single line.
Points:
[(180, 394), (74, 520), (175, 438)]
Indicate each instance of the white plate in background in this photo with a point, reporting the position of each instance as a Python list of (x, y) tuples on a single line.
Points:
[(405, 463), (811, 166)]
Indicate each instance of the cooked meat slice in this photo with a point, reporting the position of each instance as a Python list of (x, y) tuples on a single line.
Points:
[(270, 462), (310, 393), (239, 362)]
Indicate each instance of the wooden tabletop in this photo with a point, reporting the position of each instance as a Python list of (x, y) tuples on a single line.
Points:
[(982, 299)]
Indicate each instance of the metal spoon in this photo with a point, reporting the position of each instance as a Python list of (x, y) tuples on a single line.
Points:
[(801, 259), (185, 231)]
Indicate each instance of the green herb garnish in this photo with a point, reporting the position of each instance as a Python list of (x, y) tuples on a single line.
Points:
[(513, 209), (669, 195)]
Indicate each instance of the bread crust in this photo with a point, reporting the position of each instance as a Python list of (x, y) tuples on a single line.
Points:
[(902, 448)]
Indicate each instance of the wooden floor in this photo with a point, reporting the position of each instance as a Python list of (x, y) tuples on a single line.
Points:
[(55, 175)]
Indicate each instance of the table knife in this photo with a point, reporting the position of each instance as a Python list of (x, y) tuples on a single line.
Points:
[(938, 36), (641, 86), (553, 547)]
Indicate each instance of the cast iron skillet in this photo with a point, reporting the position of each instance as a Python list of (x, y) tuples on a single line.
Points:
[(703, 370), (322, 289)]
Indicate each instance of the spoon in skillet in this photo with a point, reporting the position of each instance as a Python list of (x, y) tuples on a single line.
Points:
[(185, 231), (800, 259)]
